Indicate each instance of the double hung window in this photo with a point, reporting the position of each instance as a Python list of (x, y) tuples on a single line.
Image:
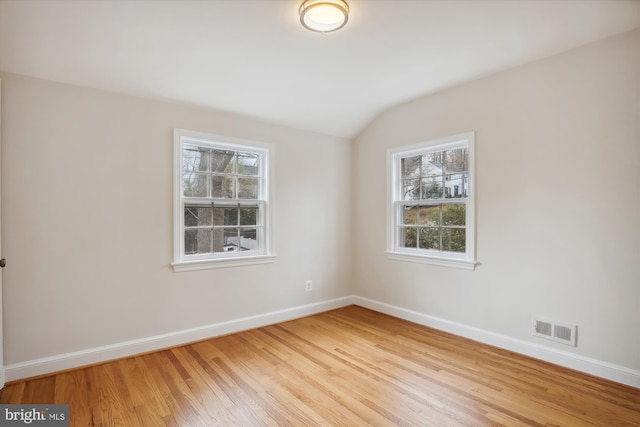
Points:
[(431, 206), (221, 204)]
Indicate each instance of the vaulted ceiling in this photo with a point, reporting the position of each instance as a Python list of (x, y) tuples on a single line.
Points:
[(254, 58)]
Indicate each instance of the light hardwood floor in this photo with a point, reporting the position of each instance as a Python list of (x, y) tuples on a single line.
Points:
[(347, 367)]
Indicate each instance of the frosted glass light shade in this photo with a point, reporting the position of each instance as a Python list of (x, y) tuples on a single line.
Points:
[(324, 15)]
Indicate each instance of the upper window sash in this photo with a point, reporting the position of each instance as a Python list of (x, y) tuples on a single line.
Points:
[(223, 171)]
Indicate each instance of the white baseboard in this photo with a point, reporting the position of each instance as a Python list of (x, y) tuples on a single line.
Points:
[(77, 359), (584, 364), (62, 362)]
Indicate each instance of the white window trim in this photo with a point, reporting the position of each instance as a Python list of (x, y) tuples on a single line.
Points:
[(231, 259), (465, 261)]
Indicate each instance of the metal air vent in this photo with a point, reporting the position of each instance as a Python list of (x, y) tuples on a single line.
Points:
[(552, 330)]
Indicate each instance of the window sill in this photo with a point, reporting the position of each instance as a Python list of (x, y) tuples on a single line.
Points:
[(207, 264), (442, 262)]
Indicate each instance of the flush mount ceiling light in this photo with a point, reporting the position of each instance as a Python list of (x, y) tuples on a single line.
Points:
[(324, 15)]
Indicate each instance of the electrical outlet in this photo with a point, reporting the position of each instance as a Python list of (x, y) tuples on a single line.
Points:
[(309, 285)]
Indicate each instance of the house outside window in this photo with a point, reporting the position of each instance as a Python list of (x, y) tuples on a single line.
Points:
[(431, 207), (221, 202)]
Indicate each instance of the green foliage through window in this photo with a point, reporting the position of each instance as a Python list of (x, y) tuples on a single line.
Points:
[(436, 227)]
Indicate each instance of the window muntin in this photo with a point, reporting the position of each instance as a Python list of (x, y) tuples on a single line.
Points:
[(222, 199), (432, 214)]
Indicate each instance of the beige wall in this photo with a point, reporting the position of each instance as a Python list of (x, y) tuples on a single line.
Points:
[(87, 221), (558, 201)]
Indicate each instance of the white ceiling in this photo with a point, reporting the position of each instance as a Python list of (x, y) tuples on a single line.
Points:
[(253, 57)]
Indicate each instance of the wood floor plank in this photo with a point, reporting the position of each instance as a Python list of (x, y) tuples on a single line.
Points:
[(346, 367), (70, 388), (145, 396), (326, 384), (112, 403), (210, 396), (178, 415), (254, 390), (243, 407), (453, 408), (179, 396), (13, 394), (40, 390)]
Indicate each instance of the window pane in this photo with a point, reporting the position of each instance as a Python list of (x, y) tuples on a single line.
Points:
[(433, 164), (453, 239), (249, 216), (195, 216), (456, 186), (247, 188), (410, 166), (409, 214), (453, 215), (222, 161), (197, 242), (456, 160), (225, 239), (429, 215), (223, 187), (407, 237), (195, 185), (225, 216), (195, 159), (432, 187), (429, 238), (248, 164), (248, 239), (411, 189)]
